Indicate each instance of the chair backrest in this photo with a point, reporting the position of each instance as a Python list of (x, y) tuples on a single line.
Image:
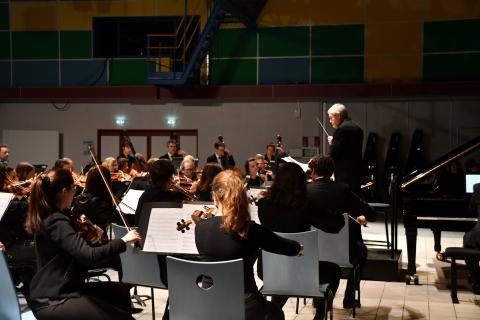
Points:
[(9, 307), (293, 276), (138, 267), (224, 299), (335, 247)]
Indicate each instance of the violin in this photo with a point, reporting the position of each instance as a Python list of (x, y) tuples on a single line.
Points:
[(189, 196), (79, 179), (18, 188), (197, 217), (89, 231)]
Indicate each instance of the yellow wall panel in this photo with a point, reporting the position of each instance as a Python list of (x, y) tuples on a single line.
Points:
[(452, 9), (393, 68), (338, 12), (285, 13), (394, 10), (394, 38), (34, 16)]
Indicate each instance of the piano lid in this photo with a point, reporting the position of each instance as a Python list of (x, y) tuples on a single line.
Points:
[(420, 174)]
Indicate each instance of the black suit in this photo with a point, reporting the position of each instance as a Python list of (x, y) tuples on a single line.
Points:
[(331, 197), (346, 151), (227, 160), (167, 156)]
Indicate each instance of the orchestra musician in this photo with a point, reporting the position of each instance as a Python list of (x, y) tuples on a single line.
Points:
[(203, 188), (64, 163), (58, 289), (263, 172), (221, 156), (24, 171), (253, 178), (326, 197), (172, 151), (161, 176), (188, 169), (472, 240), (4, 153), (346, 147), (233, 235), (285, 209)]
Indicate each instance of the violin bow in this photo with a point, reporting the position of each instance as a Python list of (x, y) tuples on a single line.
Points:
[(120, 212)]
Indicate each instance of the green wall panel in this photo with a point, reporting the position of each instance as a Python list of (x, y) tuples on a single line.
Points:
[(280, 42), (4, 45), (128, 72), (345, 39), (35, 45), (337, 70), (233, 71), (75, 44), (451, 66), (234, 43), (4, 17), (448, 36)]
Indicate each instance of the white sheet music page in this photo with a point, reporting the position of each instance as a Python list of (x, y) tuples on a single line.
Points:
[(130, 201), (5, 199), (163, 236), (304, 166), (254, 213)]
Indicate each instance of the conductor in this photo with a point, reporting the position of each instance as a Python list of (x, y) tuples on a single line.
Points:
[(346, 147)]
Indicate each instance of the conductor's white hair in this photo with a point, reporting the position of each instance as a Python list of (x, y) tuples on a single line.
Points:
[(338, 108)]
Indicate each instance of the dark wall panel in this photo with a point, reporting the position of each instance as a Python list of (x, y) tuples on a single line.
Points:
[(75, 45), (337, 70), (84, 72), (284, 71), (4, 45), (128, 72), (233, 71), (449, 36), (281, 42), (451, 66), (343, 39), (234, 43), (35, 45), (5, 73), (35, 73)]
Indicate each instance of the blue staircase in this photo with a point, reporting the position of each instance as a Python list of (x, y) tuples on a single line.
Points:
[(188, 72)]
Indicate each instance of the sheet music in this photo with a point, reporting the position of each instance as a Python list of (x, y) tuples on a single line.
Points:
[(162, 234), (255, 193), (130, 201), (254, 213), (5, 199), (304, 166)]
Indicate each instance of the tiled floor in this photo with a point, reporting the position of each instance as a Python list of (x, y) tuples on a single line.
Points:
[(391, 300), (387, 300)]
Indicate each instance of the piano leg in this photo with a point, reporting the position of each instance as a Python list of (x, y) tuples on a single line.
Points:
[(437, 237)]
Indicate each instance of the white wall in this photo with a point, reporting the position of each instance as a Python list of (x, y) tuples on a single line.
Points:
[(248, 127)]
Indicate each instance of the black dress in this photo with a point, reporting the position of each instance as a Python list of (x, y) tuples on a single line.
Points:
[(58, 289), (216, 244)]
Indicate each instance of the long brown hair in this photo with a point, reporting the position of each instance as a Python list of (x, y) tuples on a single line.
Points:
[(210, 170), (95, 184), (230, 191), (44, 197)]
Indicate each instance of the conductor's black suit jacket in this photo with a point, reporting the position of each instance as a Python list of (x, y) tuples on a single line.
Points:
[(227, 160), (346, 151)]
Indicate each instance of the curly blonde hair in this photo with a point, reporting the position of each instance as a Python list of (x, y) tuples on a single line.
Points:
[(230, 191)]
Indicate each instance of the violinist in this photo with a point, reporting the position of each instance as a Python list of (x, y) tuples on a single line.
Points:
[(253, 179), (231, 234), (58, 289), (18, 243), (95, 201), (285, 209), (203, 188), (24, 171), (263, 172), (221, 156), (4, 154), (188, 169), (64, 163), (161, 176), (123, 165)]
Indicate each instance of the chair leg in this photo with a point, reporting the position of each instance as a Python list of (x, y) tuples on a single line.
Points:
[(296, 308), (386, 230), (453, 287), (153, 303), (304, 301), (354, 290)]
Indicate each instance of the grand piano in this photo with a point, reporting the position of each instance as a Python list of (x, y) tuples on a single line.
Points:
[(424, 207)]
